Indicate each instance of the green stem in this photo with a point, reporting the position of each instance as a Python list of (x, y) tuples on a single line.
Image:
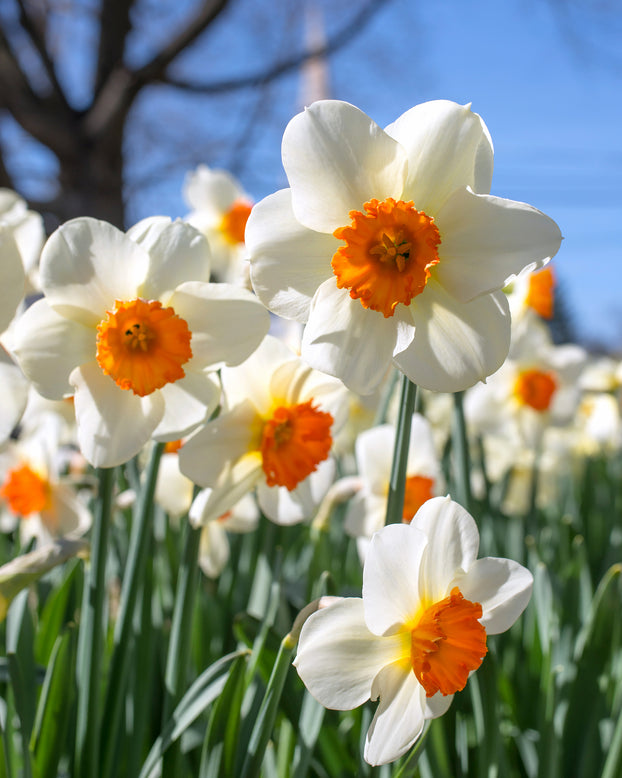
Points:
[(460, 455), (264, 723), (179, 641), (397, 484), (122, 642), (90, 640)]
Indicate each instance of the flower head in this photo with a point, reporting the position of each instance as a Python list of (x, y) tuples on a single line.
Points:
[(419, 630), (130, 326), (388, 246)]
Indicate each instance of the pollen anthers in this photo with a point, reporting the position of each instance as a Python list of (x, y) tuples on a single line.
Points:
[(389, 251), (447, 643), (25, 491), (142, 345), (535, 388), (294, 440)]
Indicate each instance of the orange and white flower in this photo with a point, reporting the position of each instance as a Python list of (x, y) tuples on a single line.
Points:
[(389, 247), (419, 630), (374, 450), (34, 497), (27, 229), (276, 434), (220, 211), (131, 328)]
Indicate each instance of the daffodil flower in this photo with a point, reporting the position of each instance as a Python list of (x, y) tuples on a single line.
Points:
[(131, 328), (419, 630), (220, 211), (388, 246), (275, 434)]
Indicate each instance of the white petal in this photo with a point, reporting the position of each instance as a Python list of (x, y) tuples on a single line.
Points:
[(14, 394), (188, 402), (399, 719), (13, 278), (391, 577), (453, 542), (211, 452), (345, 340), (212, 192), (501, 586), (448, 147), (113, 423), (213, 549), (374, 455), (235, 483), (88, 264), (337, 158), (285, 507), (486, 240), (177, 252), (288, 261), (48, 347), (226, 321), (338, 657), (66, 513), (455, 344), (173, 490)]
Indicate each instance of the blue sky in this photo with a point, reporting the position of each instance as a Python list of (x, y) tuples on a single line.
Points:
[(544, 74), (546, 78)]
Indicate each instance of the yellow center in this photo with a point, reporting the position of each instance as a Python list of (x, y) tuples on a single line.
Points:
[(293, 443), (535, 388), (25, 491), (418, 490), (388, 254), (234, 221), (142, 345), (541, 293), (447, 643)]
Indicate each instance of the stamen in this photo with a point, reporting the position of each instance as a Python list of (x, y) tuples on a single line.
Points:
[(447, 643), (388, 254), (293, 443), (142, 345)]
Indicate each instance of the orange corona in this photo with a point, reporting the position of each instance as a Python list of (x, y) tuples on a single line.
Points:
[(233, 224), (418, 490), (447, 643), (25, 491), (142, 345), (388, 254), (535, 388), (541, 293), (293, 443)]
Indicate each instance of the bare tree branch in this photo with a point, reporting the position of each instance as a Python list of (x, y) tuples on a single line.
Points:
[(37, 37), (334, 43), (114, 28)]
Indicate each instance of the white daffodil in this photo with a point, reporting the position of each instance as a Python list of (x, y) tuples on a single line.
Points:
[(389, 247), (214, 549), (220, 211), (131, 328), (532, 293), (374, 452), (27, 229), (420, 628), (275, 434), (537, 386), (33, 495)]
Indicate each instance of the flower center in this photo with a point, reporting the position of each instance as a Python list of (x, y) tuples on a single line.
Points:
[(535, 388), (293, 443), (234, 221), (25, 491), (142, 345), (541, 293), (447, 643), (388, 254), (417, 491)]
